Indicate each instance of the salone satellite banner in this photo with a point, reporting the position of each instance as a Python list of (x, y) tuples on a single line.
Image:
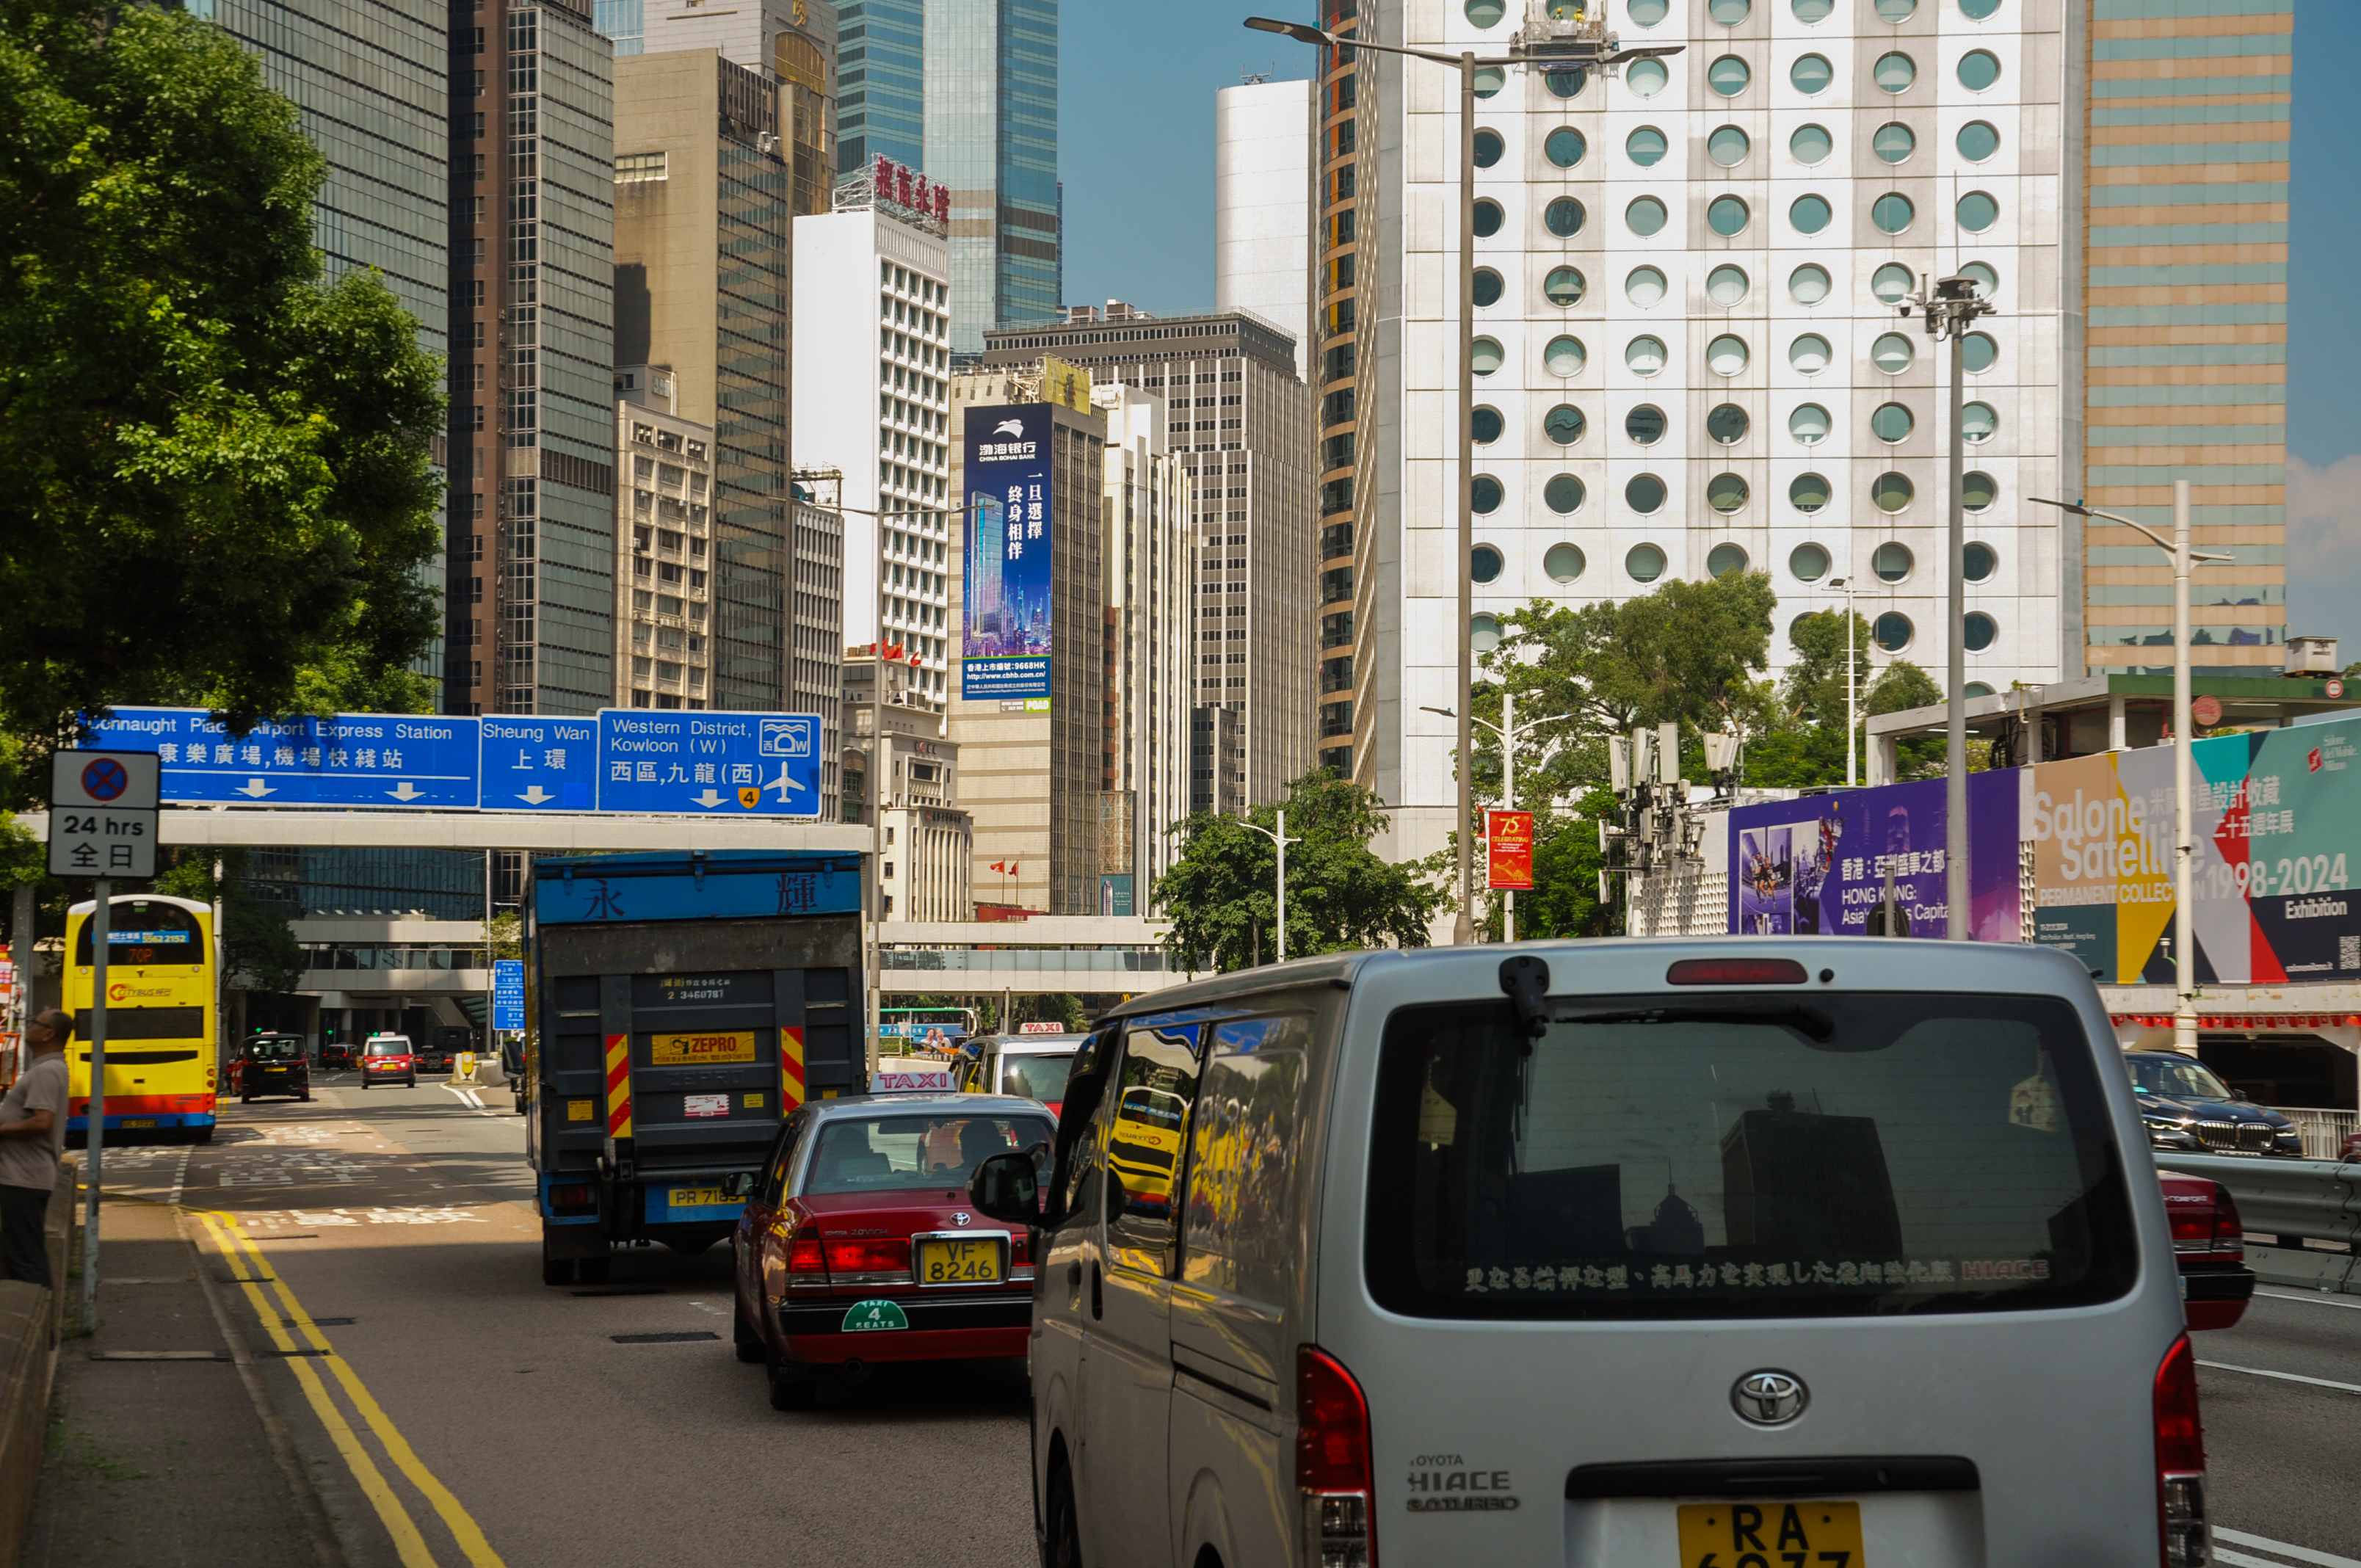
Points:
[(2078, 855)]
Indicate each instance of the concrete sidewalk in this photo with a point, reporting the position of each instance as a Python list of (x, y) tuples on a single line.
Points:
[(157, 1452)]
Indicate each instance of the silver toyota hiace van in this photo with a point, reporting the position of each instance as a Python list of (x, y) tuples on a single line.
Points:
[(1817, 1253)]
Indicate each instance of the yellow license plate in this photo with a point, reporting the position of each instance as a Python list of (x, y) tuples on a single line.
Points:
[(1771, 1535), (138, 1122), (694, 1197), (973, 1262)]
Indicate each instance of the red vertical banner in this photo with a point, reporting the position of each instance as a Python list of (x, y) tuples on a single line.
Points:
[(1510, 837)]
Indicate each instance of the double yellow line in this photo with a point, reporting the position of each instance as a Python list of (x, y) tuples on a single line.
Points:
[(251, 1273)]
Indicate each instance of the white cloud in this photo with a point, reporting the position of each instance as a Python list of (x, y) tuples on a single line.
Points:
[(2323, 508)]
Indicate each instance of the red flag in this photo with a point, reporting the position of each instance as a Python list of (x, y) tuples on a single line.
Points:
[(999, 866)]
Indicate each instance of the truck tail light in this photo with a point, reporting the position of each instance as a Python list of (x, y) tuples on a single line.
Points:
[(2188, 1539), (1333, 1467), (868, 1254), (573, 1197)]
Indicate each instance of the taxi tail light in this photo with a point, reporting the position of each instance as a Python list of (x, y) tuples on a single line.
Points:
[(1333, 1465), (1020, 1252), (2229, 1226), (2187, 1538), (868, 1254), (805, 1259)]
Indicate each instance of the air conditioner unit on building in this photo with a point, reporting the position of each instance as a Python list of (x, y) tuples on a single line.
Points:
[(2311, 656)]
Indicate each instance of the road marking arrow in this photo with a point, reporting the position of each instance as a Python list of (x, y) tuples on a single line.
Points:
[(406, 792), (537, 795), (253, 788), (707, 799)]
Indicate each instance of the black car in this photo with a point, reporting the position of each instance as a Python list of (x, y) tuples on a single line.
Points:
[(274, 1064), (336, 1053), (2187, 1108)]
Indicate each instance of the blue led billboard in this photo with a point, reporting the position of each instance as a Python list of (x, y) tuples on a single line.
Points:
[(1005, 617)]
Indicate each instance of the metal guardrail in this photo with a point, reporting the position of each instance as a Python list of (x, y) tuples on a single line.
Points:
[(2318, 1200), (2324, 1132)]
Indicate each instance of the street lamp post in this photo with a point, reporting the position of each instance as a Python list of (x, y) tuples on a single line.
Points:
[(1950, 306), (1584, 48), (1282, 840), (1852, 699), (1508, 730), (2184, 871)]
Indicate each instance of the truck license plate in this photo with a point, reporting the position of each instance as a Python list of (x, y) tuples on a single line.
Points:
[(694, 1197)]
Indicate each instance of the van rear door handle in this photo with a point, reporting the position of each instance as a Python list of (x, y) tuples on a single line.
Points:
[(1098, 1298), (1074, 1283)]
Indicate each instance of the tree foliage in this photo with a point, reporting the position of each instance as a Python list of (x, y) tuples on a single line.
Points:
[(259, 950), (1221, 892), (219, 489)]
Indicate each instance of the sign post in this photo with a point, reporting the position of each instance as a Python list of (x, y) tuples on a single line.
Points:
[(102, 822)]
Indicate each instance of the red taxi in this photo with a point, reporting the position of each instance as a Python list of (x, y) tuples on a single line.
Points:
[(2209, 1246), (858, 1244), (388, 1058)]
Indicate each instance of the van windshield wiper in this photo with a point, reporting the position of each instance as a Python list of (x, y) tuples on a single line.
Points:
[(1805, 1020)]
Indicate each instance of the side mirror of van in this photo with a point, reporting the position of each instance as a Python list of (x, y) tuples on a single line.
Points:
[(1006, 1188), (738, 1184)]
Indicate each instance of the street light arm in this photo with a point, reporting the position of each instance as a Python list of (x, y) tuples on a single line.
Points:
[(1304, 33), (2203, 557)]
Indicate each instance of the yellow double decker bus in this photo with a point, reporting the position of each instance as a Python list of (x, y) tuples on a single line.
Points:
[(161, 1060)]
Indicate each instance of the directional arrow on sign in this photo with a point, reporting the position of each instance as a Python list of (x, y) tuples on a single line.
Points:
[(254, 789), (406, 792), (537, 795), (709, 798)]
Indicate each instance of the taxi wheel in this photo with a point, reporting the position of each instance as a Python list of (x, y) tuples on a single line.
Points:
[(750, 1347), (413, 1081), (791, 1391)]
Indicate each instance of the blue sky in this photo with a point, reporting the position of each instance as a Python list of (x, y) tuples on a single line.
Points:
[(1135, 151)]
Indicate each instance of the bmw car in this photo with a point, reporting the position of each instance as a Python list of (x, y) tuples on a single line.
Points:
[(2186, 1107)]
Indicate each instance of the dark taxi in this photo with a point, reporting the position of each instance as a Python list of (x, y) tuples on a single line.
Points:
[(859, 1245), (388, 1058), (272, 1064)]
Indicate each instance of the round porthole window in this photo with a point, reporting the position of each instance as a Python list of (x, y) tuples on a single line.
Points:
[(1644, 355), (1809, 284), (1896, 10), (1809, 424), (1890, 213), (1644, 563), (1892, 353), (1728, 12), (1564, 287), (1565, 147), (1566, 83), (1646, 424), (1810, 11), (1487, 287), (1977, 688), (1646, 13), (1893, 72), (1645, 78), (1564, 563), (1727, 424), (1891, 561), (1489, 148), (1485, 355), (1987, 281), (1808, 214), (1726, 286), (1811, 145), (1484, 494), (1891, 422), (1728, 76), (1890, 492), (1644, 286), (1563, 217), (1977, 211), (1809, 355), (1978, 423), (1977, 141), (1891, 283), (1811, 74), (1724, 559), (1646, 494), (1979, 10), (1728, 146), (1891, 632), (1809, 563), (1726, 493), (1726, 354), (1978, 489), (1565, 356), (1726, 216), (1486, 13), (1644, 217), (1483, 633), (1488, 218), (1488, 426), (1978, 352), (1484, 563), (1979, 69), (1564, 494), (1978, 561), (1490, 80), (1808, 492), (1645, 147), (1565, 424), (1893, 142)]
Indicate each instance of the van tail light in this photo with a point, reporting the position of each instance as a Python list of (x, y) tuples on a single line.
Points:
[(1332, 1467), (868, 1254), (2188, 1539)]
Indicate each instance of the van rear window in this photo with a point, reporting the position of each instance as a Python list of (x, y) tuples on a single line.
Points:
[(1732, 1155)]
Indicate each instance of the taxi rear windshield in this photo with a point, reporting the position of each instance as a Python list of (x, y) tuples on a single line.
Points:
[(877, 1153), (1739, 1155), (1036, 1078), (388, 1047)]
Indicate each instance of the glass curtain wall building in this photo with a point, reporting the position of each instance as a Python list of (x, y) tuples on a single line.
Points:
[(882, 78)]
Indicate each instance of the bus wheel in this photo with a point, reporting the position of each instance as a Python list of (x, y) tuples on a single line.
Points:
[(205, 1135)]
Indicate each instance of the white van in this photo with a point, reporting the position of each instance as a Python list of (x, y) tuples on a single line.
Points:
[(1756, 1254)]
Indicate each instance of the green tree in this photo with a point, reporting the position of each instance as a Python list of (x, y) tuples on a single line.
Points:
[(259, 950), (1222, 890), (219, 489)]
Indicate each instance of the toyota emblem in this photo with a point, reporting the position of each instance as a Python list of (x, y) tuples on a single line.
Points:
[(963, 1219), (1769, 1399)]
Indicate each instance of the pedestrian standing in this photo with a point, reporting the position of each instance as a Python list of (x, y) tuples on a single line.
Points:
[(32, 1138)]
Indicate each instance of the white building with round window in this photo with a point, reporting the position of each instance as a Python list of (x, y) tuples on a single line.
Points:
[(1689, 359)]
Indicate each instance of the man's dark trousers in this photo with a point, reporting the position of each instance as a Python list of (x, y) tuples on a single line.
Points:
[(24, 1236)]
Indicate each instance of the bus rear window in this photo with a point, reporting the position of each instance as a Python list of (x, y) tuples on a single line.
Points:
[(141, 932), (1683, 1158)]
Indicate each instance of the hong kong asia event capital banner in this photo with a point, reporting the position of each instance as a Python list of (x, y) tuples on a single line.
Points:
[(1006, 625), (2078, 855)]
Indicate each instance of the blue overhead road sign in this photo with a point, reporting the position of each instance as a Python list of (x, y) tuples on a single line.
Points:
[(725, 763), (508, 994), (539, 763), (374, 759)]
